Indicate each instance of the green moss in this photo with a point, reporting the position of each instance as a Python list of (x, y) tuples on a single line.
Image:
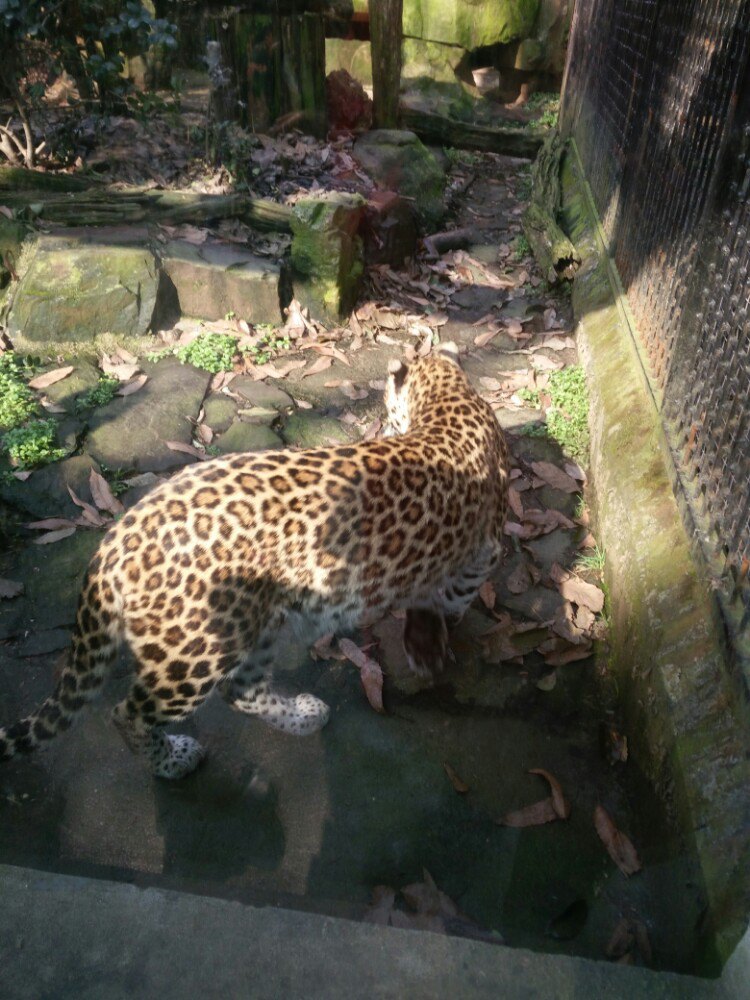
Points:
[(32, 444), (483, 22)]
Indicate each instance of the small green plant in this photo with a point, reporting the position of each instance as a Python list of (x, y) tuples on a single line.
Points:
[(32, 444), (548, 106), (567, 416), (580, 508), (593, 561), (521, 247), (213, 352), (530, 396), (115, 478), (102, 393), (17, 401)]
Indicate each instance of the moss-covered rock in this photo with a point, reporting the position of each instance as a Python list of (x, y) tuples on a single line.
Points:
[(399, 161), (312, 430), (72, 292), (469, 23), (247, 437), (435, 61), (327, 256)]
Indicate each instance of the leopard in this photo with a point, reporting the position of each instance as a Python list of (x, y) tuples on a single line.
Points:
[(197, 578)]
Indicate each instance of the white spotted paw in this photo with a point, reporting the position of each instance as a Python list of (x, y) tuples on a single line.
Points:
[(185, 754), (299, 716)]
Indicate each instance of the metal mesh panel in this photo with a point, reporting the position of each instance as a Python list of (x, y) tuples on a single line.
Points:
[(658, 100)]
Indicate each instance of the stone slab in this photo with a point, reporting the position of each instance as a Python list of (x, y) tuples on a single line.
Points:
[(113, 941), (215, 279), (131, 432)]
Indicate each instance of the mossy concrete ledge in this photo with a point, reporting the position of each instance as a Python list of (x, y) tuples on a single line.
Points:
[(685, 713)]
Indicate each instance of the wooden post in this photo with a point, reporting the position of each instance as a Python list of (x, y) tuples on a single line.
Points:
[(385, 40)]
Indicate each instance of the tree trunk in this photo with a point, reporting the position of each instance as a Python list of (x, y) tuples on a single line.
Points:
[(303, 72), (385, 41), (556, 255), (442, 131)]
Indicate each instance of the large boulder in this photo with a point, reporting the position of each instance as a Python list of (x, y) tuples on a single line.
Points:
[(398, 161), (75, 289)]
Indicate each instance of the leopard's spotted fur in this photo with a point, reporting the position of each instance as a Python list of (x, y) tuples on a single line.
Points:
[(198, 576)]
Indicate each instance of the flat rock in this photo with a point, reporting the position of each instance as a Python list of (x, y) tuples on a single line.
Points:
[(131, 432), (262, 394), (247, 437), (52, 576), (45, 492), (47, 641), (72, 292), (311, 430), (214, 279), (64, 393)]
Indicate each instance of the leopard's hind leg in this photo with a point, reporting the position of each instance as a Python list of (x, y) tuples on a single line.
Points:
[(165, 695), (249, 690), (141, 724)]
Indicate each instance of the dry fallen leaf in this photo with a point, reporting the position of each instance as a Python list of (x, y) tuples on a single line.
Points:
[(548, 681), (102, 494), (369, 671), (555, 477), (92, 516), (187, 449), (54, 536), (49, 378), (619, 846), (318, 366), (460, 786), (10, 588), (482, 339), (533, 815), (574, 589), (487, 594), (50, 523), (562, 806), (128, 388)]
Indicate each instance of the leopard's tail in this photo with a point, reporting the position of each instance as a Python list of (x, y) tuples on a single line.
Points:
[(93, 649)]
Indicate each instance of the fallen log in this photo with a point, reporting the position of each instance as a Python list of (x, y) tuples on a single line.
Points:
[(95, 207), (450, 239), (23, 179), (439, 130), (556, 255)]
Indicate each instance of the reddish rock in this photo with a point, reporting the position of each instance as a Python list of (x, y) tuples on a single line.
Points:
[(349, 107)]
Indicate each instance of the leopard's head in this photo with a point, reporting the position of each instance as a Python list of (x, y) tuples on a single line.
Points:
[(410, 384)]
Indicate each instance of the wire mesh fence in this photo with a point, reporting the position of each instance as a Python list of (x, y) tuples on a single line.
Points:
[(657, 98)]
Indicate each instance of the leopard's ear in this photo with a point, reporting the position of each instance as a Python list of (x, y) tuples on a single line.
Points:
[(449, 351), (397, 371)]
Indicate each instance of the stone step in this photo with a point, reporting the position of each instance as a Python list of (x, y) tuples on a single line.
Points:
[(213, 279)]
